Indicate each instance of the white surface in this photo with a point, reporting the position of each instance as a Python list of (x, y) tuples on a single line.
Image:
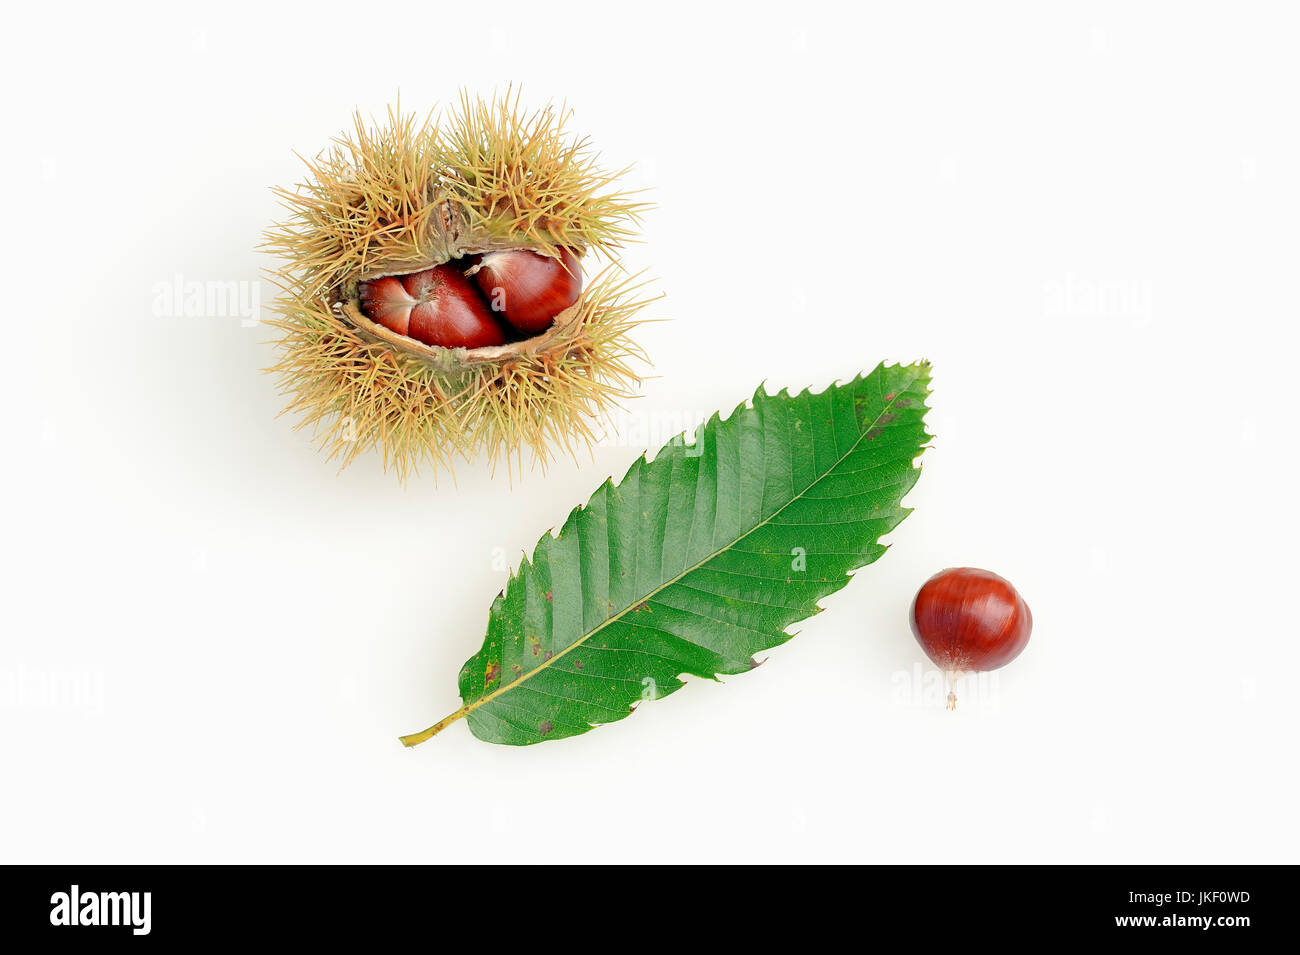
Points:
[(1084, 216)]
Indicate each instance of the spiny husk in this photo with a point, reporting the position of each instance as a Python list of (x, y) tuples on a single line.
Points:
[(356, 393), (405, 196)]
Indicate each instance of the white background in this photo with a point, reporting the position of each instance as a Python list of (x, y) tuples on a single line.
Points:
[(1084, 215)]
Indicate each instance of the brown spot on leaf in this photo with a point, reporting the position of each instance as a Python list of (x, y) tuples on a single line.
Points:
[(491, 673), (578, 664), (550, 595), (545, 728), (879, 429)]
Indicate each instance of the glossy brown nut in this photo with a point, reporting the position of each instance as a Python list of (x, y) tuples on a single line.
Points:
[(527, 288), (967, 619), (437, 306)]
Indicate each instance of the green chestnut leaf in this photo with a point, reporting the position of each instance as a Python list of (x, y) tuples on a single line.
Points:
[(697, 560)]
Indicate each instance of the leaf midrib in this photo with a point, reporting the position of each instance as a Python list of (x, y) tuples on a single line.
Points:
[(518, 681)]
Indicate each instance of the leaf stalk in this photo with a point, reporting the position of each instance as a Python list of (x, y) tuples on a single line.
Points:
[(415, 739)]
